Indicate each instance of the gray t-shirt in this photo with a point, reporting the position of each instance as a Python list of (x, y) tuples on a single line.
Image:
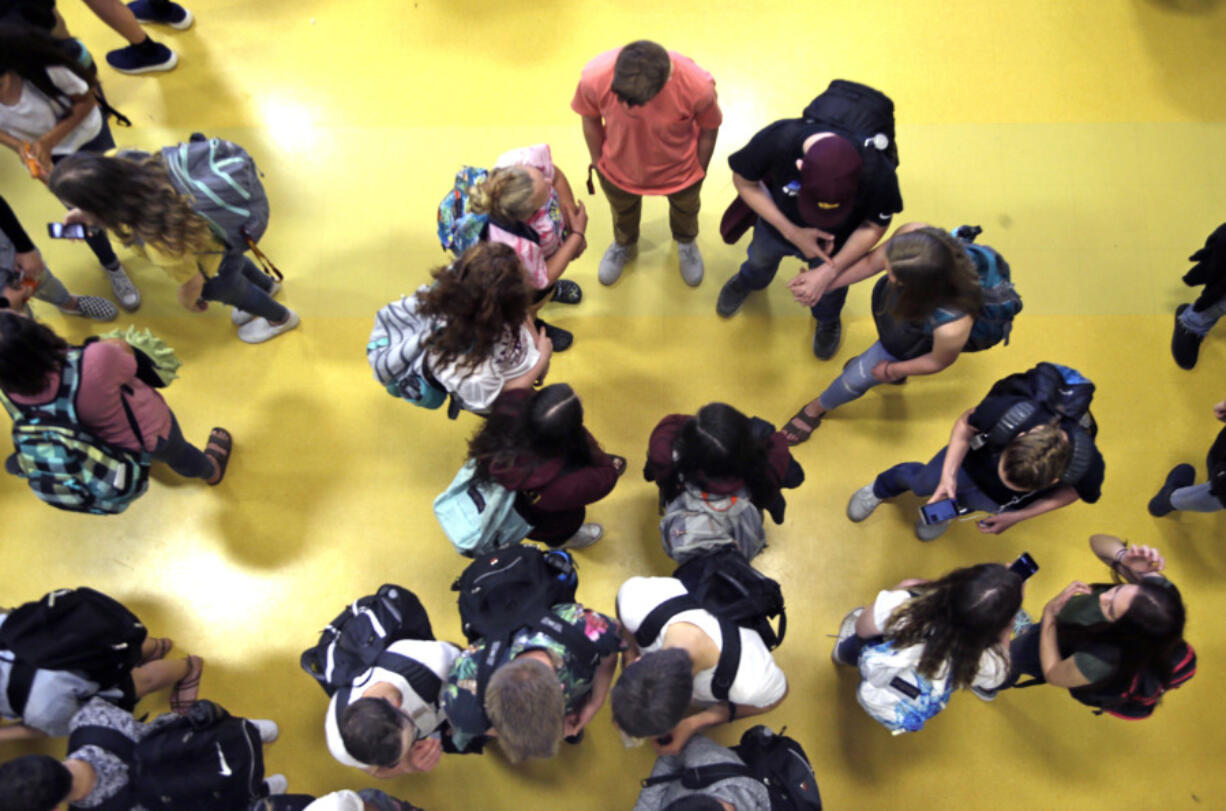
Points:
[(742, 793)]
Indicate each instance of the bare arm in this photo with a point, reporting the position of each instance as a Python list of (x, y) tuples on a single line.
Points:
[(996, 524), (571, 248), (19, 732), (82, 105), (566, 195), (871, 263), (1129, 562), (758, 199), (593, 133), (947, 342), (1057, 671), (119, 17), (811, 284), (712, 716), (601, 683), (706, 147)]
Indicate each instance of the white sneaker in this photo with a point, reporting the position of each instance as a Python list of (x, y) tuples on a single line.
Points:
[(258, 330), (862, 503), (613, 262), (691, 263), (239, 317), (125, 292), (268, 729), (277, 784), (587, 535), (847, 629), (984, 695), (95, 308)]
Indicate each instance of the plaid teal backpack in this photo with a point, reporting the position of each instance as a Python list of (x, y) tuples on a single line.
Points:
[(67, 466)]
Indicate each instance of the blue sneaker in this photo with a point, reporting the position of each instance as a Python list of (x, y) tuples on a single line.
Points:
[(171, 14), (147, 57)]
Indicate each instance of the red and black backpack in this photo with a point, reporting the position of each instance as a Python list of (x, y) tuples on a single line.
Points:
[(1138, 700)]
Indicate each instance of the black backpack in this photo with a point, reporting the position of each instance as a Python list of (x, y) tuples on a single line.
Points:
[(357, 639), (859, 113), (1061, 391), (1139, 698), (738, 595), (775, 760), (71, 629), (207, 760), (508, 589)]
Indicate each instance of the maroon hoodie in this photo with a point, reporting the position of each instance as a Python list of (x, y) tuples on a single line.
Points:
[(660, 458)]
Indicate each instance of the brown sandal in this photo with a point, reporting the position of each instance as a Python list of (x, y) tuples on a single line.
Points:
[(187, 689), (221, 444), (161, 647), (794, 435)]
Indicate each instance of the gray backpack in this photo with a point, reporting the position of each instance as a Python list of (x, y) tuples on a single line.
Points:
[(697, 523), (224, 184)]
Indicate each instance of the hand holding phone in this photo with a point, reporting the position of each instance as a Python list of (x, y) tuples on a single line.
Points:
[(941, 511), (67, 230)]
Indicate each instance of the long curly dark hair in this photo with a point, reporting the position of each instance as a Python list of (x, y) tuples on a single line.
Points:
[(28, 52), (1145, 635), (476, 302), (719, 443), (546, 425), (957, 619)]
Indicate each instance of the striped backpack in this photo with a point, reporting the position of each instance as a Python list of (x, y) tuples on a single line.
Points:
[(66, 465)]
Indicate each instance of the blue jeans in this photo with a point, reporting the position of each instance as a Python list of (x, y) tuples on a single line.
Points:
[(923, 479), (857, 377), (1024, 657), (1196, 498), (243, 285), (1201, 323), (766, 251)]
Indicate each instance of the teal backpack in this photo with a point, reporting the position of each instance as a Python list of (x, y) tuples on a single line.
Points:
[(479, 517), (67, 466), (1001, 301)]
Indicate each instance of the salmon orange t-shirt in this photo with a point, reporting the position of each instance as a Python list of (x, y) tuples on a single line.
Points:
[(653, 148)]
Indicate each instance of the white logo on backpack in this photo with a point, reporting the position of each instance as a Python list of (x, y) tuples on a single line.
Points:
[(225, 767)]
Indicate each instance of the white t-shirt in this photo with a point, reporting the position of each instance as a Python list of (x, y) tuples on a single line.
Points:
[(344, 800), (993, 668), (426, 712), (759, 682), (34, 115), (480, 387)]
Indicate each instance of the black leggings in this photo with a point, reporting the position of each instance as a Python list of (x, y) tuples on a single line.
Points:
[(181, 456)]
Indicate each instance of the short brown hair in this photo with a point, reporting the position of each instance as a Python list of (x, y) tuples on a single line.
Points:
[(1035, 459), (525, 704), (641, 70)]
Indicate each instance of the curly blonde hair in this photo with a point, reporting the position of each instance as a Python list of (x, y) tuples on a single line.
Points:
[(133, 198)]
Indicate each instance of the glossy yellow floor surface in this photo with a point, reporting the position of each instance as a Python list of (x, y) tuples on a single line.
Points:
[(1086, 136)]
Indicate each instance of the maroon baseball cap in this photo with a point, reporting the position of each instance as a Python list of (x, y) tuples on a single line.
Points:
[(829, 177)]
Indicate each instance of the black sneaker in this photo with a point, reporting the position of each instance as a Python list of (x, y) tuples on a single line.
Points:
[(731, 296), (826, 338), (1185, 344), (567, 292), (171, 14), (145, 57), (560, 338), (1180, 476)]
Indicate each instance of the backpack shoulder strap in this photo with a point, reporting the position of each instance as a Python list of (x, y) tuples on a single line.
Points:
[(1080, 456), (21, 679), (424, 681), (519, 229), (1007, 426), (699, 777), (729, 661), (654, 622)]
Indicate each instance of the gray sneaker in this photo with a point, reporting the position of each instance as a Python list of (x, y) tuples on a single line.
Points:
[(95, 308), (125, 292), (862, 503), (613, 261), (691, 263), (930, 532), (587, 535), (847, 629)]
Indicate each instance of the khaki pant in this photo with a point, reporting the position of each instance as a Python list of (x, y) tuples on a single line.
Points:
[(628, 210)]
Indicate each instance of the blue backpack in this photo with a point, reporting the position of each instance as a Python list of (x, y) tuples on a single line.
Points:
[(893, 692), (479, 517), (458, 227), (66, 465)]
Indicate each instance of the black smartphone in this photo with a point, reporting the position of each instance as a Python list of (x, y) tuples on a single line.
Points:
[(940, 511), (1024, 566), (64, 230)]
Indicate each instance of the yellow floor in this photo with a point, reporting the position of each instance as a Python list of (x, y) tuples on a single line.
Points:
[(1085, 136)]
